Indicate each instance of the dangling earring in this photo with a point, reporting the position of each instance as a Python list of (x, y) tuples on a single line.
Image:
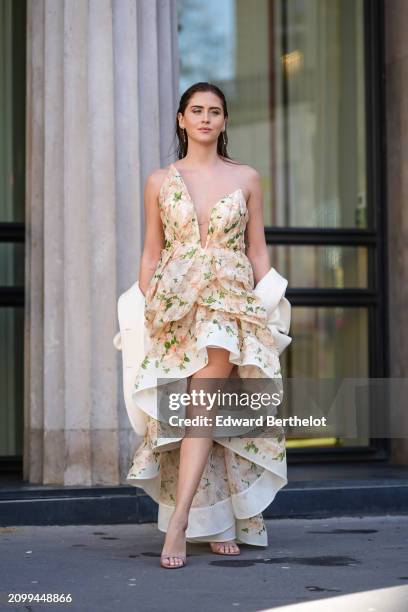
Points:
[(184, 133), (224, 140)]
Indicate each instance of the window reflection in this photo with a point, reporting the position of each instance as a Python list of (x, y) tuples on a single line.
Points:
[(329, 343), (314, 266), (11, 264), (11, 381), (293, 75)]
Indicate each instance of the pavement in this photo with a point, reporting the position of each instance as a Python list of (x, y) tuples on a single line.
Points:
[(352, 564)]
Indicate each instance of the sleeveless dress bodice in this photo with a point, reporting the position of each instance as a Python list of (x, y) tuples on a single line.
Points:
[(218, 275)]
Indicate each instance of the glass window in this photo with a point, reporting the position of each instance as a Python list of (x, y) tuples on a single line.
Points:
[(336, 267), (12, 211), (11, 381), (11, 264), (12, 104), (295, 77)]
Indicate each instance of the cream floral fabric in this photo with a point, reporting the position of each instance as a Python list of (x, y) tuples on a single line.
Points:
[(199, 296)]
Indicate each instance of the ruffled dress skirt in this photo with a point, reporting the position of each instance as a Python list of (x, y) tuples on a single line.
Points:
[(242, 475)]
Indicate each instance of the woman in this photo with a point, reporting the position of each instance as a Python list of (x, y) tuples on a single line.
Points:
[(204, 250)]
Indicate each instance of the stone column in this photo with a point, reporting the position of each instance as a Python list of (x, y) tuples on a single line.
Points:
[(396, 49), (101, 102)]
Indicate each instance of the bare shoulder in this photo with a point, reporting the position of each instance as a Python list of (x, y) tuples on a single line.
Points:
[(249, 173), (250, 179), (156, 178), (154, 181)]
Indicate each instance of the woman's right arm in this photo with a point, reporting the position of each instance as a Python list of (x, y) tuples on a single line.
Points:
[(154, 235)]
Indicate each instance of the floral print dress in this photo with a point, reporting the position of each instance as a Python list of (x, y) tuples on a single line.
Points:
[(202, 296)]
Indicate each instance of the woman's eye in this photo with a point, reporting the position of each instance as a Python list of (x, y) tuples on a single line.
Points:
[(197, 110)]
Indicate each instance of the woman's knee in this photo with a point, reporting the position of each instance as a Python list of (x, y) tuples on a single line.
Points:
[(218, 364)]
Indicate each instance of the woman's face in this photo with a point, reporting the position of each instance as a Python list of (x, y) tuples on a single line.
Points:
[(204, 110)]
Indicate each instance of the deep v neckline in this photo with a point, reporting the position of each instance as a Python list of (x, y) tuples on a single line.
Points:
[(212, 208)]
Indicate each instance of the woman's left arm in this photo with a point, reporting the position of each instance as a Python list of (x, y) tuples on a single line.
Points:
[(256, 248)]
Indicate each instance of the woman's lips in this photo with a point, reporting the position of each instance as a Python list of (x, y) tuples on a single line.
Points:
[(204, 130)]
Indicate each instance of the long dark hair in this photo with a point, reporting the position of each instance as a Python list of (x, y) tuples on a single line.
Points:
[(181, 134)]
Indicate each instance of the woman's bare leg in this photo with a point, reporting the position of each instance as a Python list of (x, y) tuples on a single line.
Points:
[(194, 453)]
